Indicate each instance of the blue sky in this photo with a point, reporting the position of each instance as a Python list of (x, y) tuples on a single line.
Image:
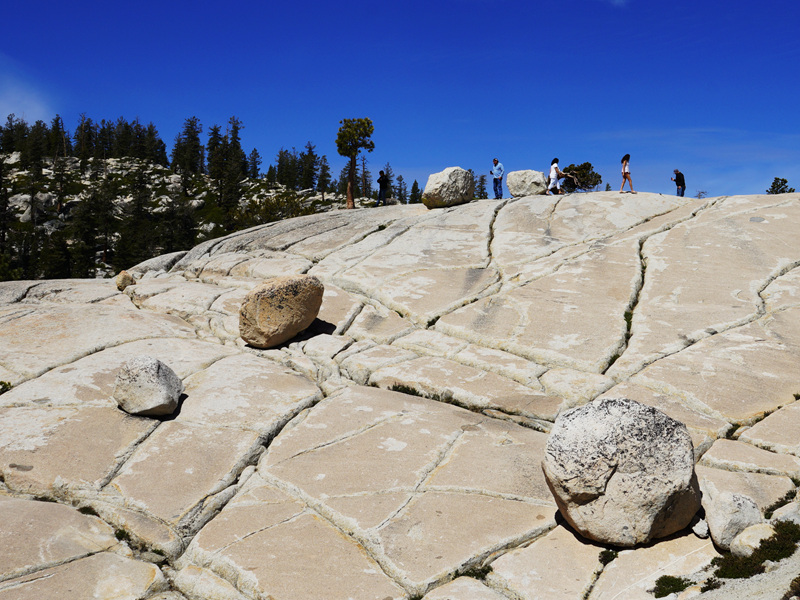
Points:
[(710, 87)]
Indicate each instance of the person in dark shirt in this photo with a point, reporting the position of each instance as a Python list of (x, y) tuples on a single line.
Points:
[(383, 187), (680, 182)]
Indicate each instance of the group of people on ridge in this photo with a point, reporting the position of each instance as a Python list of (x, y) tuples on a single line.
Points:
[(556, 175)]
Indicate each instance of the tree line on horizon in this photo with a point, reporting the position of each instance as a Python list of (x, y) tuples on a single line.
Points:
[(76, 225)]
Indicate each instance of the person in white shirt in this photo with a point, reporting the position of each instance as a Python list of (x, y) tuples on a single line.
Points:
[(555, 175)]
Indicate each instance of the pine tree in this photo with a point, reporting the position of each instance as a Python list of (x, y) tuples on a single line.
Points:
[(324, 177), (354, 135), (480, 189), (137, 239), (308, 167), (254, 164), (780, 186), (415, 196), (402, 190), (287, 168), (187, 153), (389, 173), (366, 178)]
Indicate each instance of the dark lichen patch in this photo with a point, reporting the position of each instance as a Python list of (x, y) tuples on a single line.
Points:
[(667, 584), (479, 573), (88, 510), (607, 556), (405, 389)]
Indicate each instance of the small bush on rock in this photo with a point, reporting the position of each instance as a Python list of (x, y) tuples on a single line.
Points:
[(667, 584)]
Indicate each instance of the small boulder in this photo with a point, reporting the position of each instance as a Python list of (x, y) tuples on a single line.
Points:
[(728, 514), (621, 472), (526, 183), (146, 386), (750, 539), (123, 280), (279, 309), (450, 187)]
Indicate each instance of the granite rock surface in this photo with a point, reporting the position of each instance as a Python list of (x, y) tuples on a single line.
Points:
[(393, 449)]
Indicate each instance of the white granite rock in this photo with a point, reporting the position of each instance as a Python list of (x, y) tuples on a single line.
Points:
[(146, 386), (728, 515), (526, 183), (452, 186), (621, 472)]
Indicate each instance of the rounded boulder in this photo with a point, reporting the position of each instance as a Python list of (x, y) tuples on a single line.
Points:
[(621, 472), (450, 187), (277, 310)]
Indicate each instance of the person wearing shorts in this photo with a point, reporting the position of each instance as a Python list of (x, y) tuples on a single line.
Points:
[(555, 175)]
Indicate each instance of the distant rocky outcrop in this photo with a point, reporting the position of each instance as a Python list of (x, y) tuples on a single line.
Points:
[(621, 472), (526, 183), (450, 187)]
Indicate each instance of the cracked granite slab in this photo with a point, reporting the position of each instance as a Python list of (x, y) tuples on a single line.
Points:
[(291, 473)]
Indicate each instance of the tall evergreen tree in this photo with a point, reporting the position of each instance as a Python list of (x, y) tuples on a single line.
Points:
[(415, 196), (308, 168), (480, 188), (324, 177), (137, 232), (402, 190), (389, 172), (354, 135), (253, 164), (366, 178), (187, 153)]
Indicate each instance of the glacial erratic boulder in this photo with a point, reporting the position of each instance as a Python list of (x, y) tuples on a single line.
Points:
[(450, 187), (621, 472), (526, 183), (278, 309), (147, 387)]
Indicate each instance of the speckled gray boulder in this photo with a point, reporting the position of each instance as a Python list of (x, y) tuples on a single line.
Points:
[(277, 310), (146, 386), (621, 472)]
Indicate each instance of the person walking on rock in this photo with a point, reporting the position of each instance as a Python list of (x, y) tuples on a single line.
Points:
[(383, 186), (555, 175), (680, 182), (626, 173), (497, 172)]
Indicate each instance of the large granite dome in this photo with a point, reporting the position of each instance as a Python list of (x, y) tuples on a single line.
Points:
[(393, 450)]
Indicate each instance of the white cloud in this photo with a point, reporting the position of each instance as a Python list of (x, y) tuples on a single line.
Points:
[(20, 95)]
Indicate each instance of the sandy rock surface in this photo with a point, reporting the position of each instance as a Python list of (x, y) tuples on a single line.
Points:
[(393, 449)]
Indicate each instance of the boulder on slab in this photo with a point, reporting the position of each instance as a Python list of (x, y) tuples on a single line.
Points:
[(146, 386), (123, 280), (279, 309), (526, 183), (728, 515), (621, 472), (450, 187)]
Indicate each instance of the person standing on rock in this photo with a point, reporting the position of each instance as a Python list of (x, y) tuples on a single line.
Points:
[(555, 175), (383, 186), (497, 172), (626, 173), (680, 182)]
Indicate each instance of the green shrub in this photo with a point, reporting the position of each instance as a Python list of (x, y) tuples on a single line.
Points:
[(667, 584)]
